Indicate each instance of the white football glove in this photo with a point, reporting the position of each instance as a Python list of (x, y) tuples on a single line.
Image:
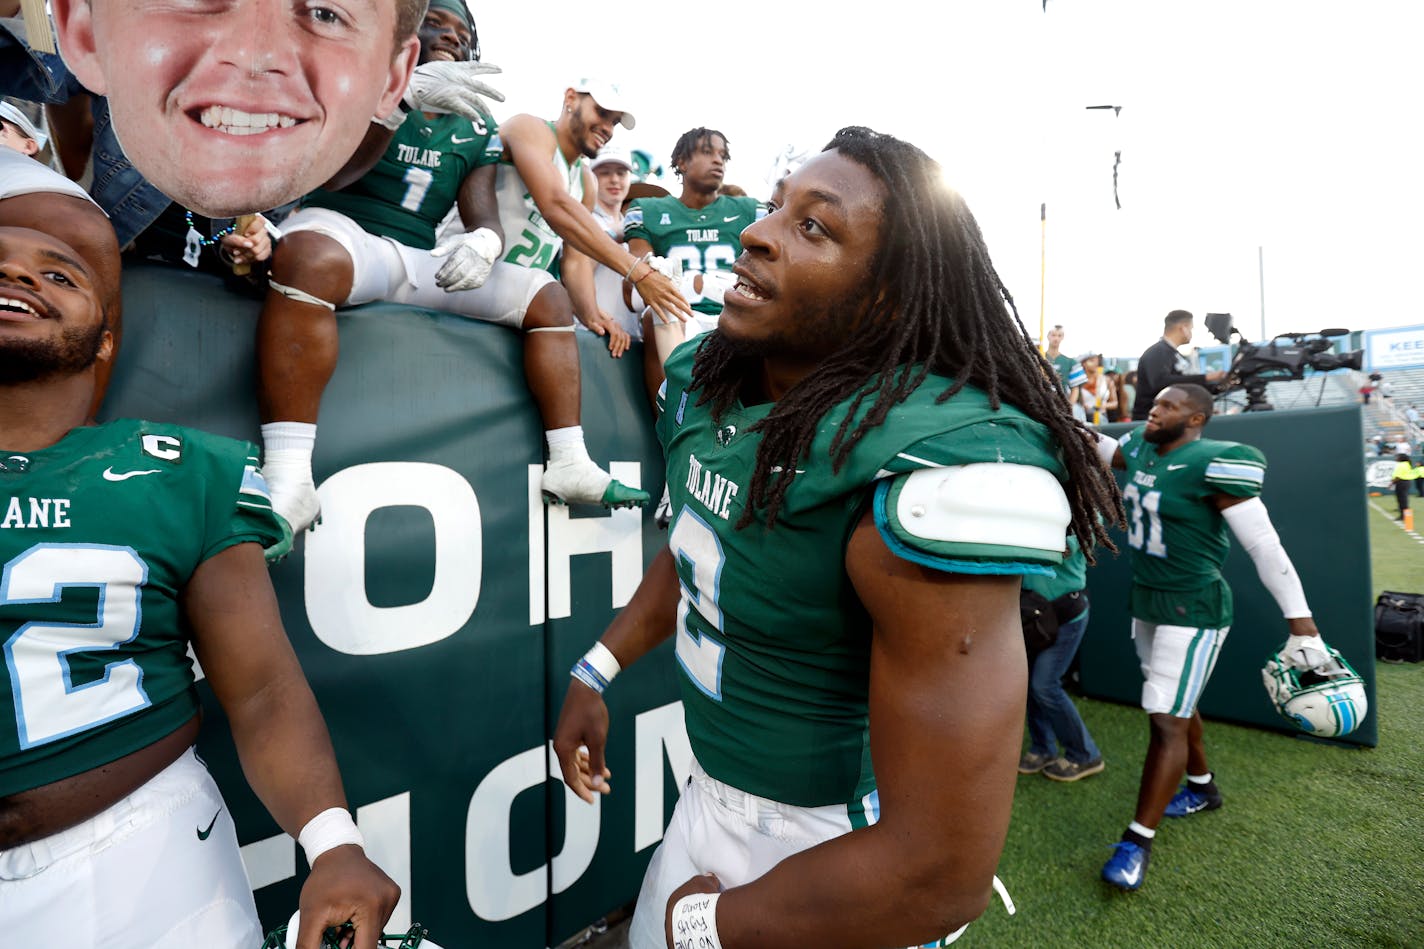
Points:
[(453, 87), (671, 269), (1306, 652), (472, 256)]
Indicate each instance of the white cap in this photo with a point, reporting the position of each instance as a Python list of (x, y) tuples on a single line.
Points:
[(608, 96), (15, 117), (612, 155)]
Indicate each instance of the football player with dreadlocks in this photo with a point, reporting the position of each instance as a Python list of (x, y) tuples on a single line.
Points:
[(864, 459)]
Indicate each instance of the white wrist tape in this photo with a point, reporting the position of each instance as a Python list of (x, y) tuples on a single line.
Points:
[(694, 922), (1252, 526), (333, 827), (1107, 448), (597, 668)]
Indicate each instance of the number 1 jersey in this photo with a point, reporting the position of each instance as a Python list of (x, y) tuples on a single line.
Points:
[(99, 535)]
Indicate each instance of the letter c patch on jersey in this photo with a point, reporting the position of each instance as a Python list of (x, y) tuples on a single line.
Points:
[(164, 447)]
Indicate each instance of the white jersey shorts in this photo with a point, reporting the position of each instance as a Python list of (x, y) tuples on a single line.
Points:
[(385, 269), (159, 869), (719, 829), (1176, 665)]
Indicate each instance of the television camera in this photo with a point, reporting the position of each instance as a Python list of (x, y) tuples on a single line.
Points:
[(1283, 358)]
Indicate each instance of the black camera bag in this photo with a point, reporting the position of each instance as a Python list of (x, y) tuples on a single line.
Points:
[(1399, 627)]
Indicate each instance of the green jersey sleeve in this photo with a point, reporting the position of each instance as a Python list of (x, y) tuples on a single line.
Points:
[(1237, 470), (239, 505), (633, 223)]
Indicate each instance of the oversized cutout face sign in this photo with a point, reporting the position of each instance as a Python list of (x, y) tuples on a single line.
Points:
[(234, 106)]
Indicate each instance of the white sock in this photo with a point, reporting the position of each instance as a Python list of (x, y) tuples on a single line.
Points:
[(566, 445), (1137, 828), (1200, 778), (287, 451)]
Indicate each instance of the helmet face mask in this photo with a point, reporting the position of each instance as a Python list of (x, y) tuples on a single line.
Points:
[(1327, 701)]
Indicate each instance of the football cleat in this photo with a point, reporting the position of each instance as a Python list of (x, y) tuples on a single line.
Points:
[(285, 937), (1189, 801), (1327, 701), (583, 482), (1127, 867)]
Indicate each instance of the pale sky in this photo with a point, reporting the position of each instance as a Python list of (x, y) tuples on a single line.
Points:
[(1290, 125)]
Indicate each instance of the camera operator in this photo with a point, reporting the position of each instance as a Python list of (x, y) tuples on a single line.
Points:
[(1163, 365)]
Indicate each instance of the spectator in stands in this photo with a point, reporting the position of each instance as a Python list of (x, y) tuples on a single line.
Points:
[(18, 133), (1070, 373), (1052, 718), (1366, 391), (1098, 394), (1412, 414), (1128, 395), (1385, 389), (612, 168), (1163, 365), (1404, 473)]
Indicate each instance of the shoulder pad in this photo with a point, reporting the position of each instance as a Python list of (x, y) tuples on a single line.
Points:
[(1004, 518)]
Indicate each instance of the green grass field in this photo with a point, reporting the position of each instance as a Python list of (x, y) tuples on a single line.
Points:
[(1317, 845)]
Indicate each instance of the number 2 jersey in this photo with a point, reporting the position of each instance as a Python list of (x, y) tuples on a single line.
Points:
[(99, 535), (701, 241), (772, 643), (415, 182), (1179, 539)]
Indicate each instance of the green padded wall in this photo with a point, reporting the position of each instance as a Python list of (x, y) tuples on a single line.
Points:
[(438, 608)]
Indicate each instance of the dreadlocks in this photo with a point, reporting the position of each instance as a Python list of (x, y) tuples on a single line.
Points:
[(938, 306), (687, 144)]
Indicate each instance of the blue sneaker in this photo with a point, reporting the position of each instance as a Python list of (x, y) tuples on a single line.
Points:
[(1191, 801), (1127, 866)]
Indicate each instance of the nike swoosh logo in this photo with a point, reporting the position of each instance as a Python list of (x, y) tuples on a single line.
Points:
[(111, 475), (204, 834), (455, 140), (1175, 467), (1133, 877), (729, 220)]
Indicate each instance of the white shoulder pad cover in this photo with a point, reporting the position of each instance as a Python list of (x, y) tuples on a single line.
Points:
[(1002, 509)]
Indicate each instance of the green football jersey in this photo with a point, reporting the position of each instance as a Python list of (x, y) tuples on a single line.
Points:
[(414, 185), (1179, 539), (99, 535), (700, 241), (772, 642)]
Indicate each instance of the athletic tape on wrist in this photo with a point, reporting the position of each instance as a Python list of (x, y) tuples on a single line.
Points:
[(333, 827), (694, 922), (597, 668)]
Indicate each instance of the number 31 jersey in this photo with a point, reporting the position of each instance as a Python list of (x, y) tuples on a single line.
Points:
[(99, 535), (1179, 539)]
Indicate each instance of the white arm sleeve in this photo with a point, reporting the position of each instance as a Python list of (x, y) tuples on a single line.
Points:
[(1251, 524)]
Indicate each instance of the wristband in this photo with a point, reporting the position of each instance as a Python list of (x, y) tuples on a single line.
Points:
[(333, 827), (641, 260), (694, 922), (597, 668)]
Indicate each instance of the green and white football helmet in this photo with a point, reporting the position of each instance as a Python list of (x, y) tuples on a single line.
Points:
[(1327, 701)]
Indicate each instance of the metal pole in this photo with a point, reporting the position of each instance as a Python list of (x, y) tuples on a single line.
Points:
[(1042, 267), (1261, 278)]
